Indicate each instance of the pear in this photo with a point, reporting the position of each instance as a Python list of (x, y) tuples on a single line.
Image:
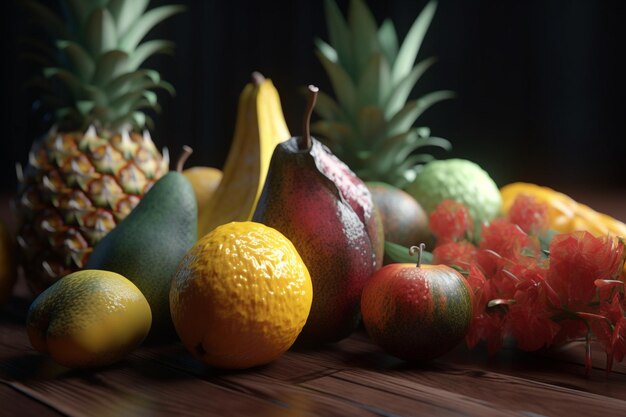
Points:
[(148, 244), (327, 212)]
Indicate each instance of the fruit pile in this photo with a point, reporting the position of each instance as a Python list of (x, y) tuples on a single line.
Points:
[(287, 243), (539, 287)]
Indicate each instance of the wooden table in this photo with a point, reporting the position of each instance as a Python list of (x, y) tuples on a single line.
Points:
[(352, 377)]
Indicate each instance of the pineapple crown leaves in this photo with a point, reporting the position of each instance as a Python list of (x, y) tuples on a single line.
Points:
[(369, 124), (98, 53)]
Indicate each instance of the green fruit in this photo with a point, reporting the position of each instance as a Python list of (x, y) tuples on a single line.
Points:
[(147, 246), (89, 318), (417, 313), (370, 123), (460, 180), (404, 220)]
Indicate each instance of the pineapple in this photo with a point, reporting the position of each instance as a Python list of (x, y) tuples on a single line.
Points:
[(93, 166), (370, 124)]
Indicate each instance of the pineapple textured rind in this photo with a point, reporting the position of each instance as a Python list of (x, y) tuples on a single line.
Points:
[(93, 166), (69, 199)]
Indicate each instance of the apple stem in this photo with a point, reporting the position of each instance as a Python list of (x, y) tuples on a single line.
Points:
[(419, 250), (187, 151), (257, 78), (306, 141)]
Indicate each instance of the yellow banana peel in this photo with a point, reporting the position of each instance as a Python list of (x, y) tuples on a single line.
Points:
[(260, 126), (564, 213)]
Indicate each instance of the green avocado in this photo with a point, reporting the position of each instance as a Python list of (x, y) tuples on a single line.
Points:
[(148, 244)]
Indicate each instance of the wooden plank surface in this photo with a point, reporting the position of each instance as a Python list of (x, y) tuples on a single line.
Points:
[(352, 377)]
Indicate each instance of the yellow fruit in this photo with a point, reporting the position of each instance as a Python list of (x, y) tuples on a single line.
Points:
[(8, 272), (204, 181), (260, 126), (240, 296), (564, 213), (561, 208), (89, 318)]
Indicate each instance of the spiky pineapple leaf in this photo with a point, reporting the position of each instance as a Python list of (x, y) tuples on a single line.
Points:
[(144, 24), (339, 35), (126, 13), (150, 97), (327, 108), (100, 34), (388, 155), (403, 87), (412, 43), (139, 118), (371, 123), (41, 49), (383, 156), (122, 83), (336, 132), (71, 82), (413, 109), (48, 19), (110, 65), (80, 60), (78, 11), (95, 94), (364, 33), (341, 82), (146, 50), (147, 85), (373, 86), (64, 113), (388, 40), (327, 50), (84, 107), (35, 59), (406, 172), (127, 101)]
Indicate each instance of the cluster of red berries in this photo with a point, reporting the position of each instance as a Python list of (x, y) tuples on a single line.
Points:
[(539, 287)]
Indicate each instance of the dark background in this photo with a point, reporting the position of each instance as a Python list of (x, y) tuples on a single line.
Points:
[(540, 83)]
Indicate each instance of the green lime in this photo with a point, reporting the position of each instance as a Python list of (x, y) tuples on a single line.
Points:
[(460, 180)]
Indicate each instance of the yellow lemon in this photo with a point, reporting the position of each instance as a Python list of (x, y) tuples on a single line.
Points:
[(89, 318), (8, 272), (240, 296)]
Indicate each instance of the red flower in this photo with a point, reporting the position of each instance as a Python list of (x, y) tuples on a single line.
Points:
[(530, 318), (529, 214), (609, 327), (460, 254), (450, 221), (486, 325), (506, 239), (577, 260)]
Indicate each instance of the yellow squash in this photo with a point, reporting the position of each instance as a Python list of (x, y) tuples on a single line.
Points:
[(259, 128), (565, 214)]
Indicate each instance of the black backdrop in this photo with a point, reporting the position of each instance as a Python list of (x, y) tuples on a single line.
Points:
[(540, 84)]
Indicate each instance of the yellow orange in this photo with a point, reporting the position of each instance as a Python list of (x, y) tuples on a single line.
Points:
[(240, 296)]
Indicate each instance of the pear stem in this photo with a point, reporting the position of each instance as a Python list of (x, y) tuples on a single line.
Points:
[(257, 78), (306, 141), (419, 250), (187, 151)]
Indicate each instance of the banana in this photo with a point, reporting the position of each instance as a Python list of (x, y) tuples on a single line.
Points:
[(260, 126)]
